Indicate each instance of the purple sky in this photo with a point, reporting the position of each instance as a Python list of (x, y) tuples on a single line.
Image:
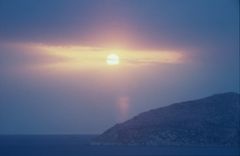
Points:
[(54, 78)]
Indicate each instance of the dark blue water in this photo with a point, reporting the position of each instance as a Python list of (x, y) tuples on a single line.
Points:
[(78, 145)]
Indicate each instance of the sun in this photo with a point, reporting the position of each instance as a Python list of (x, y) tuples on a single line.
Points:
[(112, 59)]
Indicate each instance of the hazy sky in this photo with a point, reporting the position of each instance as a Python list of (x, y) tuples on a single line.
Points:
[(53, 72)]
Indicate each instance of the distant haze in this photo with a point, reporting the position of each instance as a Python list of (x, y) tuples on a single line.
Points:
[(53, 73)]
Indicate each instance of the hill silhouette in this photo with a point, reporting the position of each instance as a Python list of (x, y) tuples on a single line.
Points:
[(213, 120)]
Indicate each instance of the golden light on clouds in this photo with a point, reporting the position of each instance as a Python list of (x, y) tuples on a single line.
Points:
[(82, 57)]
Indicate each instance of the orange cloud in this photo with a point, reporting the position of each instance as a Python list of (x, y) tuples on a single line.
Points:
[(72, 57)]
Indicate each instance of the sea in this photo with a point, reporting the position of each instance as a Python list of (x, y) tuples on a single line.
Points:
[(79, 145)]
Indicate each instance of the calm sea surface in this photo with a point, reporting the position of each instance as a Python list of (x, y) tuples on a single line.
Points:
[(78, 145)]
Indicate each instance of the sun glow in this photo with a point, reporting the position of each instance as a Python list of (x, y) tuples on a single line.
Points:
[(112, 59), (74, 58)]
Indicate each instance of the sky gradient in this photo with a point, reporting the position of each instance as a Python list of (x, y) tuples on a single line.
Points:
[(53, 73)]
